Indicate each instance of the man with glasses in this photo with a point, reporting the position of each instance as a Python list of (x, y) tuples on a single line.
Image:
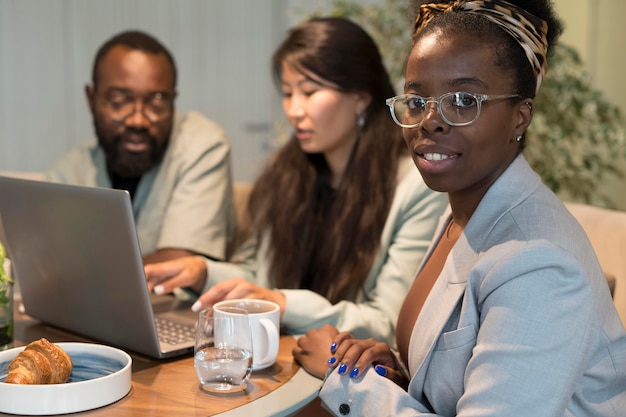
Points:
[(175, 166)]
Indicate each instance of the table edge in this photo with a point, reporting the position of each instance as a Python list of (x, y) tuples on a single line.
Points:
[(283, 401)]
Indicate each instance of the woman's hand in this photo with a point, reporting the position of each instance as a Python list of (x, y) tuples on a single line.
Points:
[(238, 288), (352, 356), (188, 271), (312, 350)]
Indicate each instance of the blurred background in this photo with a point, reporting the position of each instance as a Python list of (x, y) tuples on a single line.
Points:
[(222, 50)]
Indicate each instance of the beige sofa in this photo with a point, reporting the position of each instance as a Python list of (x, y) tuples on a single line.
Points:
[(607, 232)]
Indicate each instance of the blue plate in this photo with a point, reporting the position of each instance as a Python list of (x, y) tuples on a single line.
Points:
[(85, 366), (100, 375)]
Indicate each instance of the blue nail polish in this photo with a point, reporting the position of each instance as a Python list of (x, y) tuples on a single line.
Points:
[(333, 347), (354, 373), (332, 361), (343, 368), (381, 370)]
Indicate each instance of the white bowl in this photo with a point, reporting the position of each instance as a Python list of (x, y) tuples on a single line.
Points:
[(101, 375)]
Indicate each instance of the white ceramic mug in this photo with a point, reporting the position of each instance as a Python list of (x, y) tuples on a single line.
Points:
[(264, 317)]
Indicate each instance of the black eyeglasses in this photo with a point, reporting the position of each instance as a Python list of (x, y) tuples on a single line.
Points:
[(456, 109), (155, 106)]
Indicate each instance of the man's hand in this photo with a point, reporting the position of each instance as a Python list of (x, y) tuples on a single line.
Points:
[(188, 271)]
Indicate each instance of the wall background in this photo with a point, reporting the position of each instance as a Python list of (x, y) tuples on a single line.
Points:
[(223, 51)]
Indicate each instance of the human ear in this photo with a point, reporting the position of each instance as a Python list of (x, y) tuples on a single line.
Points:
[(363, 100), (90, 92), (524, 115)]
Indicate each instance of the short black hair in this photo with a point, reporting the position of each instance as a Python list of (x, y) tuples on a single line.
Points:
[(136, 40)]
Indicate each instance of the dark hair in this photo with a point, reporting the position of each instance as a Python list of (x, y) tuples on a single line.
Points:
[(323, 239), (136, 40), (508, 52)]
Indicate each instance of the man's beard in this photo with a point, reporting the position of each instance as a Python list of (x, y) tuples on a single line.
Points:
[(128, 164)]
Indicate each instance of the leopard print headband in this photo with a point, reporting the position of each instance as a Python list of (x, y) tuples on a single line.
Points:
[(529, 30)]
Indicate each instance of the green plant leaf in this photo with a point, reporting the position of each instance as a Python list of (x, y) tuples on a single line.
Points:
[(4, 277)]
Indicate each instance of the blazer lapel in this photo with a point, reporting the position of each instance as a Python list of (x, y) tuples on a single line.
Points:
[(445, 295), (513, 186)]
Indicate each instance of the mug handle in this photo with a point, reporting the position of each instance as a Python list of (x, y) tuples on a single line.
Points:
[(272, 338)]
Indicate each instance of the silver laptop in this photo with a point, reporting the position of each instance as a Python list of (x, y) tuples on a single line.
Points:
[(75, 254)]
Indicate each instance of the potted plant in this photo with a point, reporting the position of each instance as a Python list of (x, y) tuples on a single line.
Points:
[(577, 139), (6, 304)]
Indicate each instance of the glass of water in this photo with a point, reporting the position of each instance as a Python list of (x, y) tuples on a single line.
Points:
[(223, 350)]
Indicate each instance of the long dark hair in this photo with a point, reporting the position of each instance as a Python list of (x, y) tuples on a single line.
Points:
[(323, 239)]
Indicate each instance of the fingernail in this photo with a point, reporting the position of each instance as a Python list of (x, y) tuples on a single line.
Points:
[(197, 306), (354, 373), (332, 361), (342, 369), (380, 370), (158, 290), (333, 347)]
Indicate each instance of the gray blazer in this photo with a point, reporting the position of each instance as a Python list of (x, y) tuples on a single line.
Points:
[(519, 323)]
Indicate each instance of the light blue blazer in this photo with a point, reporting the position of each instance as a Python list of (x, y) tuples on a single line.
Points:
[(520, 322)]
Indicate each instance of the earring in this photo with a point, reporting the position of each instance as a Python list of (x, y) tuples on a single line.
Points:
[(360, 119), (518, 138)]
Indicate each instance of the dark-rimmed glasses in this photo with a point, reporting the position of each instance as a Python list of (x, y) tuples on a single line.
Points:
[(155, 106)]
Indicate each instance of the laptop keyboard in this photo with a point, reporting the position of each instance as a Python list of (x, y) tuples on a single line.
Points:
[(174, 333)]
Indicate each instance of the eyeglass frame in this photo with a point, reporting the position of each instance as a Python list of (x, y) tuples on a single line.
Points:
[(168, 111), (478, 97)]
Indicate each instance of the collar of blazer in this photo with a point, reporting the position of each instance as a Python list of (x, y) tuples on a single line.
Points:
[(513, 187)]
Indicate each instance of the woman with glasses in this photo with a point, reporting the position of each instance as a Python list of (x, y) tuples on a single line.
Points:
[(340, 218), (510, 314)]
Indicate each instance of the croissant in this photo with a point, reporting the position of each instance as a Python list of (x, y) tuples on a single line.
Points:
[(41, 362)]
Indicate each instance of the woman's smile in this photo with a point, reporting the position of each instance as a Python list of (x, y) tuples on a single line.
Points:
[(435, 162)]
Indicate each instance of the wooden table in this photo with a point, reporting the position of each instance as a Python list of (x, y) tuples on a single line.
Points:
[(171, 388)]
